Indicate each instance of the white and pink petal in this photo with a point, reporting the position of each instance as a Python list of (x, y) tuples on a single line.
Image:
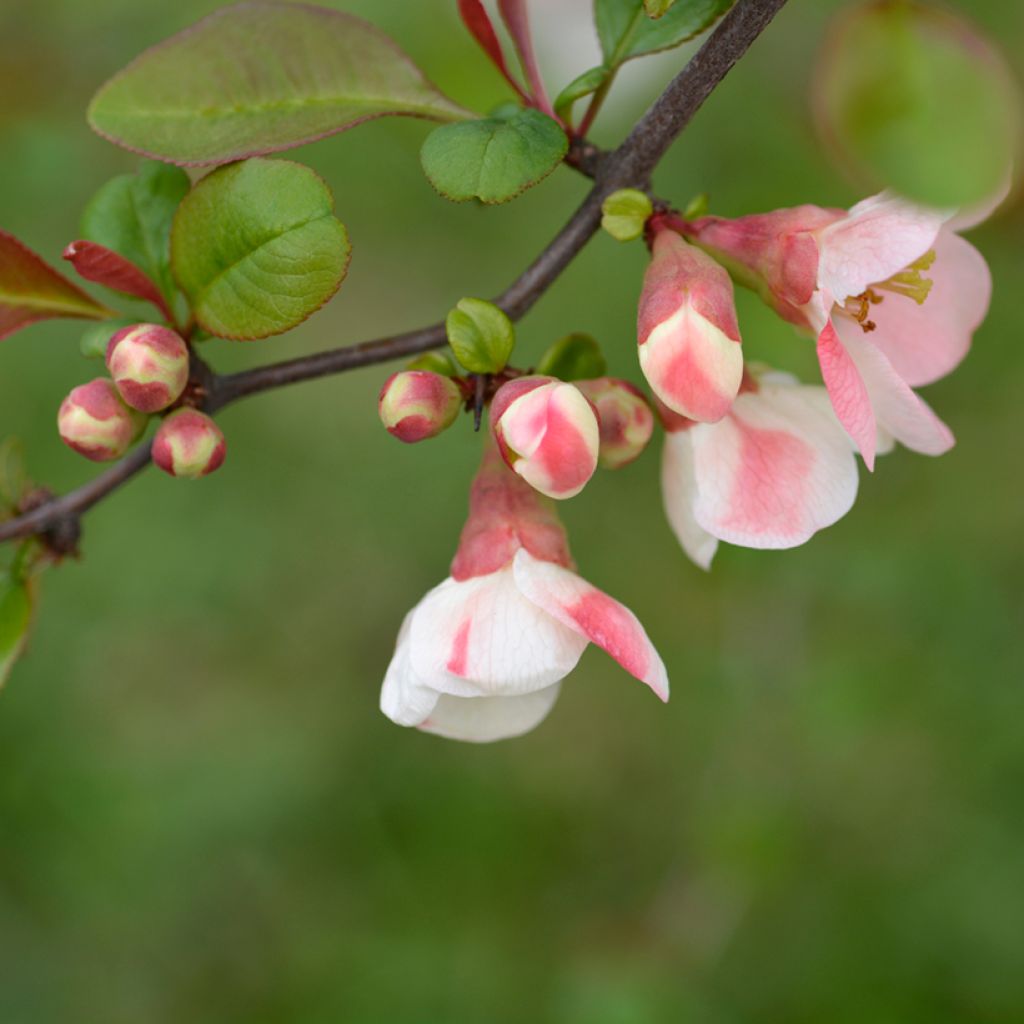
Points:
[(487, 719), (679, 494)]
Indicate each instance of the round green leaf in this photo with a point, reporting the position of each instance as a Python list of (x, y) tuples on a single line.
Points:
[(260, 77), (913, 98), (493, 159), (256, 248), (481, 335), (574, 357), (624, 213)]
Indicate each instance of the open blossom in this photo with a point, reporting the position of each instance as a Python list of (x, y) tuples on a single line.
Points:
[(482, 656), (687, 331), (770, 474), (892, 293), (547, 431)]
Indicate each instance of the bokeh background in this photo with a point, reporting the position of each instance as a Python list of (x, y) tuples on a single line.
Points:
[(203, 815)]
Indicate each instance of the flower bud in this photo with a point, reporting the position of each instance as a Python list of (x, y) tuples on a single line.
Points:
[(624, 416), (547, 431), (149, 364), (416, 404), (96, 423), (188, 444), (686, 327)]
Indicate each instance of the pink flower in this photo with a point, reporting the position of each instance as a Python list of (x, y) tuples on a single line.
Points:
[(687, 331), (547, 431), (482, 656), (891, 291), (770, 474)]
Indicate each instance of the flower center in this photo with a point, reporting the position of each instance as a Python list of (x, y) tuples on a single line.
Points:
[(909, 282)]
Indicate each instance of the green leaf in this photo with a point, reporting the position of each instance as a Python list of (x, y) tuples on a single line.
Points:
[(132, 215), (586, 84), (626, 32), (625, 212), (493, 159), (16, 604), (481, 335), (257, 249), (94, 340), (435, 362), (31, 290), (656, 8), (257, 78), (574, 357), (913, 98), (13, 476)]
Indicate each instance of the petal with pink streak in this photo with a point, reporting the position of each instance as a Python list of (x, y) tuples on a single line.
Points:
[(924, 342), (679, 494), (593, 615), (481, 637), (848, 393), (879, 237), (402, 697), (898, 410), (776, 470), (486, 719)]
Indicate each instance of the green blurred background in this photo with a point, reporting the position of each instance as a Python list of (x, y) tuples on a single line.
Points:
[(205, 818)]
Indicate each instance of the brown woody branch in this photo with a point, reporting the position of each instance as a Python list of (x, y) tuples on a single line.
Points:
[(629, 166)]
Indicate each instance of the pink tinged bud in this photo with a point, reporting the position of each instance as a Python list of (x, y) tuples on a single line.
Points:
[(149, 364), (548, 433), (415, 405), (686, 327), (96, 423), (188, 444), (625, 418)]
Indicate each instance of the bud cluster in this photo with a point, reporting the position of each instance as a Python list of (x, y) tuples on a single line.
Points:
[(149, 370)]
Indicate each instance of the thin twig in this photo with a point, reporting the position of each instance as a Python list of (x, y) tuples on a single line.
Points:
[(630, 165)]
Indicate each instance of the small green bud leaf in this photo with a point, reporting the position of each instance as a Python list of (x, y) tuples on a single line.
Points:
[(481, 335), (16, 605), (96, 337), (696, 207), (435, 362), (493, 159), (586, 84), (574, 357), (624, 214)]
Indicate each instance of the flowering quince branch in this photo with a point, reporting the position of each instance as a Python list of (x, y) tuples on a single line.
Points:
[(751, 456)]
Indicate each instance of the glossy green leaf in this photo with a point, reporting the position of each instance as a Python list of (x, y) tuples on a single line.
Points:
[(257, 78), (16, 602), (481, 335), (624, 213), (31, 290), (626, 31), (656, 8), (585, 85), (574, 357), (435, 362), (914, 98), (493, 159), (257, 249), (132, 215)]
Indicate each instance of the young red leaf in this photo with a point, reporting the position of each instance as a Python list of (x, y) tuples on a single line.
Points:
[(477, 20), (31, 290), (513, 13), (103, 266)]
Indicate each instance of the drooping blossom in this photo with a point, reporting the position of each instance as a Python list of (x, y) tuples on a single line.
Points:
[(547, 431), (889, 289), (770, 474), (482, 656), (687, 331)]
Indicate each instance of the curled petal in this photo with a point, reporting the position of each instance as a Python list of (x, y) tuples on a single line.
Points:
[(679, 494), (486, 719), (593, 615), (402, 697), (848, 393), (482, 637)]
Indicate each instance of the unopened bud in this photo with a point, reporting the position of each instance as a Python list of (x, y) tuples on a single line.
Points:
[(547, 431), (188, 444), (687, 330), (416, 404), (149, 364), (625, 419), (96, 423)]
